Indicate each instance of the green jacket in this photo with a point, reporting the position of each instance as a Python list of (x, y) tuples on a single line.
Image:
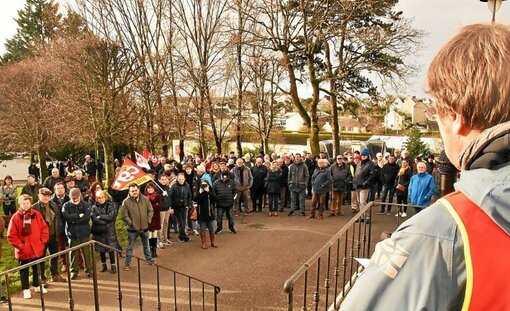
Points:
[(137, 214)]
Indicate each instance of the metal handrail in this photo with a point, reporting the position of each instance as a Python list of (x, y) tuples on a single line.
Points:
[(342, 241), (91, 244)]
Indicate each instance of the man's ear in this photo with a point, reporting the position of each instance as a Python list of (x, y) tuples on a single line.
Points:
[(458, 124)]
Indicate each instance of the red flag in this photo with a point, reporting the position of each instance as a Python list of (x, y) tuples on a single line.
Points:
[(129, 173), (146, 153)]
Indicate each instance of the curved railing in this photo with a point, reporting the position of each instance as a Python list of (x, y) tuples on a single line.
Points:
[(204, 287), (324, 280)]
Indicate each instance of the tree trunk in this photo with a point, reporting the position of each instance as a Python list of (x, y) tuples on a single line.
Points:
[(334, 124), (181, 149), (109, 171), (41, 155)]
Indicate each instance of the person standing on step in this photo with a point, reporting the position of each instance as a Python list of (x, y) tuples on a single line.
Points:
[(137, 213), (205, 213), (103, 229), (76, 215), (28, 234), (52, 216), (155, 225), (321, 184)]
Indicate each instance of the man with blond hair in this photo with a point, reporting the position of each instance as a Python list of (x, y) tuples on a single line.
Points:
[(454, 255)]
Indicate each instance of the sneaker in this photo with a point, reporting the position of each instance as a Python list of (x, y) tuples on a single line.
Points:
[(195, 232), (38, 290), (232, 231), (397, 214), (185, 239), (27, 294), (127, 268), (168, 243), (404, 215), (218, 231), (161, 245)]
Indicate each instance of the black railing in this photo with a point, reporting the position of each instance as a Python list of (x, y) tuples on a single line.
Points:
[(324, 280), (168, 285)]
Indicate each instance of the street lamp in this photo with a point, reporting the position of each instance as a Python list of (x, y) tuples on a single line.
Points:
[(494, 6)]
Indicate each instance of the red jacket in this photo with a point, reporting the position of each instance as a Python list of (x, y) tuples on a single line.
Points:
[(29, 246)]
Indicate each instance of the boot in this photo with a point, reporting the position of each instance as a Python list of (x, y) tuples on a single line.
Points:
[(113, 269), (153, 243), (103, 267), (204, 240), (212, 237)]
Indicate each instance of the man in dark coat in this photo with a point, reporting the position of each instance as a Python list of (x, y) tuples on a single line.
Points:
[(180, 197), (363, 178), (259, 173), (389, 174), (342, 178), (52, 216), (224, 190), (76, 215)]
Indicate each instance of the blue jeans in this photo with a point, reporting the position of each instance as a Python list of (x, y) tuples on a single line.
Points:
[(385, 189), (144, 236), (294, 196), (219, 219)]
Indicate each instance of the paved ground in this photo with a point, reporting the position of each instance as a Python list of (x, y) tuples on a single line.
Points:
[(250, 267)]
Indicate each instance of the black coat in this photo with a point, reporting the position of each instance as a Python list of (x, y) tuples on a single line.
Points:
[(205, 207), (224, 191), (180, 196), (76, 227), (342, 178), (285, 175), (364, 175), (60, 203), (106, 213), (259, 174), (165, 199), (389, 173), (405, 179), (273, 181)]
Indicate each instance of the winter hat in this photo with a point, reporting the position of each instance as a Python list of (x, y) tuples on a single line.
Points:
[(365, 152)]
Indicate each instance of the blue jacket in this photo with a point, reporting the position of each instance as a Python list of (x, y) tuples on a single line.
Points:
[(421, 189)]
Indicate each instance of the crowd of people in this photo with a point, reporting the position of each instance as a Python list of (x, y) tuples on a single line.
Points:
[(191, 198)]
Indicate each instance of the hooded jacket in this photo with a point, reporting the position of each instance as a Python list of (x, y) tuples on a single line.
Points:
[(427, 251)]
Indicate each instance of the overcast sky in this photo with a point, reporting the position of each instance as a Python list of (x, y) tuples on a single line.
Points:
[(441, 19)]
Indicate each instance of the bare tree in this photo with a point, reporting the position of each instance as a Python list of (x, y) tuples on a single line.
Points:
[(265, 73), (201, 26)]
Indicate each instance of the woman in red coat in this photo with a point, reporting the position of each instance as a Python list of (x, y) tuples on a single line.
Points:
[(28, 234)]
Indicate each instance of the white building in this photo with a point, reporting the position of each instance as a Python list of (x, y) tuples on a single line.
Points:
[(393, 120)]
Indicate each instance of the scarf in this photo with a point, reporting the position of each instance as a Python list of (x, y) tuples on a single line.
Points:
[(402, 170), (27, 223)]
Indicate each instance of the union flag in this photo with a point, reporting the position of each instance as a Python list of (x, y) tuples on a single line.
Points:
[(129, 173)]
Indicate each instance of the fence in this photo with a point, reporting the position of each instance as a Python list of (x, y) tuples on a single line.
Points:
[(178, 290), (325, 279)]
